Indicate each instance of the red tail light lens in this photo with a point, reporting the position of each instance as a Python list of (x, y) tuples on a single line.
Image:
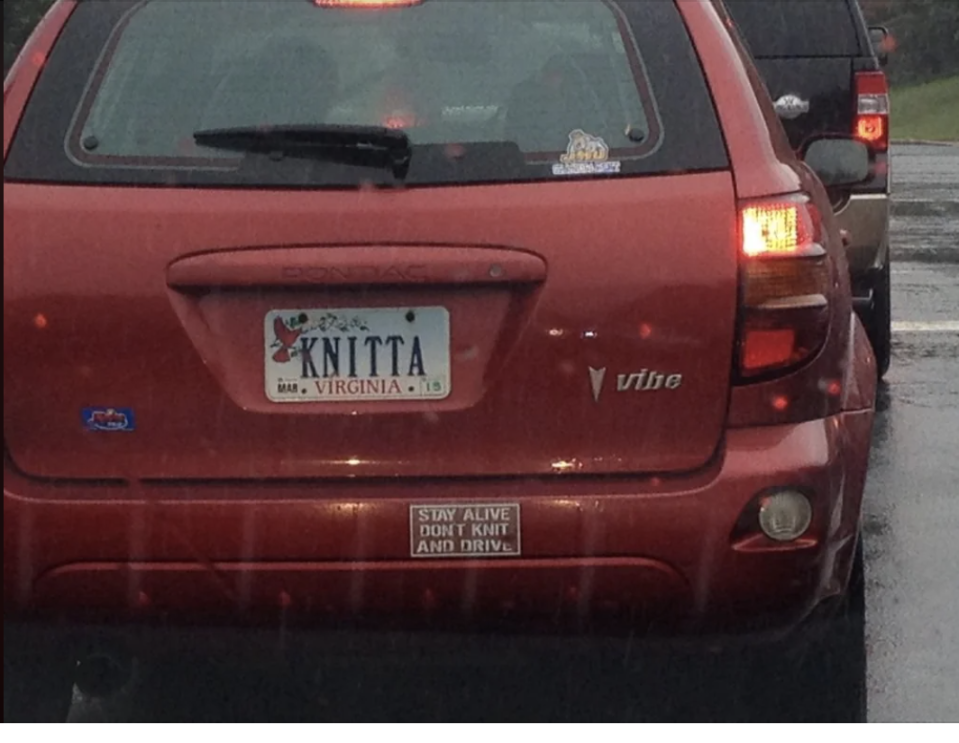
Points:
[(765, 349), (872, 111), (786, 284), (871, 130), (365, 3)]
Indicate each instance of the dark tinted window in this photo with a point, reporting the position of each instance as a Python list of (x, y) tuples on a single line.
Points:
[(522, 90), (796, 28)]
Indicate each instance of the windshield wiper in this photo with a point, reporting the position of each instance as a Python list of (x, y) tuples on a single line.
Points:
[(370, 146)]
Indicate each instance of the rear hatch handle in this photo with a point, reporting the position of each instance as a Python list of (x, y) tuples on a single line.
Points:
[(396, 265)]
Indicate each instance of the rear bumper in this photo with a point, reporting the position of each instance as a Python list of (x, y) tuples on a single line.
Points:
[(326, 645), (661, 553), (866, 218)]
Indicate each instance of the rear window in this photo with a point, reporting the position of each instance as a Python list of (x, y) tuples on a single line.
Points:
[(486, 91), (796, 28)]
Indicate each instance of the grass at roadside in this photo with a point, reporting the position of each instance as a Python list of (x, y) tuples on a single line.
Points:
[(928, 111)]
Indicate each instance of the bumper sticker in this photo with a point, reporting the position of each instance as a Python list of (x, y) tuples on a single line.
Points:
[(476, 530), (108, 419)]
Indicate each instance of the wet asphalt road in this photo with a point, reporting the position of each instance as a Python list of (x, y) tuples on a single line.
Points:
[(903, 659), (912, 498)]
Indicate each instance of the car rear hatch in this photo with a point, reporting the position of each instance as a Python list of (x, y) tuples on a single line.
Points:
[(545, 298)]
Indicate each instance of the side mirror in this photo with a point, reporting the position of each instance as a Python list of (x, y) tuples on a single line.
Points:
[(837, 161), (878, 37)]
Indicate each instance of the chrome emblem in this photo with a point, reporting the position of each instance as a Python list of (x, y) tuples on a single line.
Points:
[(596, 377), (644, 381), (791, 106)]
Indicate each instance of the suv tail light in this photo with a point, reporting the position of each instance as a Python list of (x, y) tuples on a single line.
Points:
[(872, 113), (786, 279)]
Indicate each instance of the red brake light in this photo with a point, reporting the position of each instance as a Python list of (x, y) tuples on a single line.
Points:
[(763, 349), (786, 285), (365, 3), (872, 110), (871, 129)]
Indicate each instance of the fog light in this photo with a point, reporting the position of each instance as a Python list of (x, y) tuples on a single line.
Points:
[(785, 515)]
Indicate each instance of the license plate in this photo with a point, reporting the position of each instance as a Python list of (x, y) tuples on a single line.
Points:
[(482, 530), (357, 354)]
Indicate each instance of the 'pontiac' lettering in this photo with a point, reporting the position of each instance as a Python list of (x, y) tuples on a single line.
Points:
[(357, 274)]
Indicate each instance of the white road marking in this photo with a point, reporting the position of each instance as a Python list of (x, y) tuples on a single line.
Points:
[(942, 326)]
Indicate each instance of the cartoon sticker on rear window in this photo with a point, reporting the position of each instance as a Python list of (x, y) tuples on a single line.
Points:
[(586, 155)]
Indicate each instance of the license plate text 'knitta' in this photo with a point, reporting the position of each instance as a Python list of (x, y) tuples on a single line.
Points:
[(349, 355)]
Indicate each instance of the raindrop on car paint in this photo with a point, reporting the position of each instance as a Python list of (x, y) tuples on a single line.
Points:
[(40, 321), (780, 403), (832, 387), (90, 143), (468, 354)]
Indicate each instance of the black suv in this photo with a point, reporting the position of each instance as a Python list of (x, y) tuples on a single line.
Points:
[(822, 71)]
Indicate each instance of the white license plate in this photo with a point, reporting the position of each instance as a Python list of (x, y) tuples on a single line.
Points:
[(357, 354)]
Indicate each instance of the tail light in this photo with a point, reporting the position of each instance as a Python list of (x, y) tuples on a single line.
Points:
[(786, 280), (872, 113), (372, 4)]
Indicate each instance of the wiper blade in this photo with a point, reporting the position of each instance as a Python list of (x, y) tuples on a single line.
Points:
[(371, 146)]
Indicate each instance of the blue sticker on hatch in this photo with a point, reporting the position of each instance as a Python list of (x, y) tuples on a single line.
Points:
[(109, 419)]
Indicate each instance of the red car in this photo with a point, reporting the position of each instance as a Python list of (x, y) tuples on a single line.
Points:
[(397, 309)]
